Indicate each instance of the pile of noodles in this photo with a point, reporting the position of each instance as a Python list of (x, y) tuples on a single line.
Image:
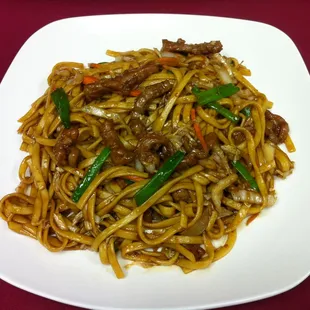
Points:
[(106, 218)]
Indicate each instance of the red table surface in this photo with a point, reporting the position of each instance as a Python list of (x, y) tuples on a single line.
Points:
[(20, 19)]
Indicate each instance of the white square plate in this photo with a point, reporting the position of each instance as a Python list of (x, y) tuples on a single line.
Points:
[(272, 255)]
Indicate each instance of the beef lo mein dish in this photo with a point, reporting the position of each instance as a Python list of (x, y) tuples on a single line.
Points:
[(152, 157)]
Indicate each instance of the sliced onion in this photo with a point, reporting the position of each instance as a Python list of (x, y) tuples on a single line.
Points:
[(217, 190), (225, 73), (224, 212), (220, 158), (176, 141), (168, 54), (268, 151), (271, 200), (77, 218), (232, 151), (150, 168), (97, 219), (93, 110), (223, 61), (138, 165), (224, 76), (198, 228), (76, 79), (243, 195)]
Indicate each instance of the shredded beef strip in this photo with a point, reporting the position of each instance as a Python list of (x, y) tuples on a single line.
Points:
[(153, 147), (276, 128), (197, 49), (149, 93), (181, 195), (194, 154), (239, 137), (137, 127), (119, 154), (121, 84), (191, 159), (197, 250), (64, 150)]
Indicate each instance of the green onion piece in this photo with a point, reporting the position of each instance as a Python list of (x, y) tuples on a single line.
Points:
[(224, 112), (245, 174), (246, 111), (128, 181), (61, 102), (204, 100), (214, 94), (102, 63), (91, 174), (159, 178), (196, 90)]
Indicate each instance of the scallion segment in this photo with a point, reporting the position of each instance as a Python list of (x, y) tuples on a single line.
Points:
[(243, 171), (209, 97), (91, 174), (61, 102), (214, 94), (159, 178), (246, 111)]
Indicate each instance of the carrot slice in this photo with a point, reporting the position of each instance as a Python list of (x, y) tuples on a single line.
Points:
[(89, 79), (133, 178), (92, 65), (135, 93), (168, 61), (193, 115), (251, 218), (198, 131)]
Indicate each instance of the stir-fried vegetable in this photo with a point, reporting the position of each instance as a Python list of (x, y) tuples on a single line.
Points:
[(224, 112), (91, 174), (135, 93), (168, 61), (289, 144), (94, 66), (133, 178), (61, 102), (246, 111), (206, 98), (200, 226), (128, 181), (93, 110), (198, 130), (251, 218), (159, 178), (216, 93), (89, 80), (245, 174)]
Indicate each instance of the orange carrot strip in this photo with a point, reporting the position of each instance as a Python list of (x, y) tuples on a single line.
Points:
[(89, 79), (168, 61), (251, 218), (198, 131), (193, 114), (133, 178), (289, 144), (135, 93), (200, 136), (92, 65)]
